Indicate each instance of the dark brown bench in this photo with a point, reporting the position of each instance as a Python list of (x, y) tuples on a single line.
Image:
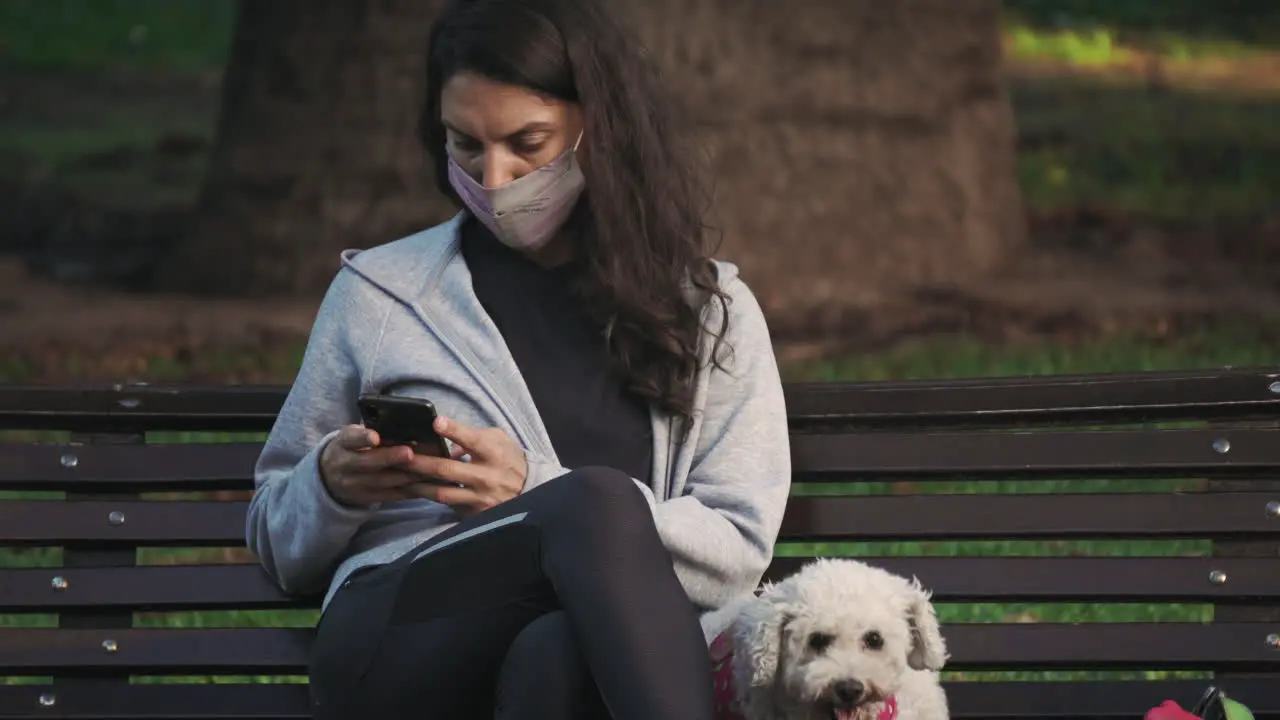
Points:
[(1185, 463)]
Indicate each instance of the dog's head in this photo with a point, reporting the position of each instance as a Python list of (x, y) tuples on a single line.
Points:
[(833, 641)]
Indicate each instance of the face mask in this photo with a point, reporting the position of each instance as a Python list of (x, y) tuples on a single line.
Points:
[(527, 212)]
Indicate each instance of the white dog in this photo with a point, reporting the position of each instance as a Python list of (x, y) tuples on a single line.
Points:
[(838, 640)]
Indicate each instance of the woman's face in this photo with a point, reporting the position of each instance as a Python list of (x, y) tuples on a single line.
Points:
[(497, 132)]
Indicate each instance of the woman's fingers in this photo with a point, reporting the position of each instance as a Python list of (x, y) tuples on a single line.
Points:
[(373, 473), (464, 499), (383, 486), (480, 443), (356, 437), (391, 479), (447, 470), (378, 458)]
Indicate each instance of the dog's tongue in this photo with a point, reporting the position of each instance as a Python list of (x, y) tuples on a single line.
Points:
[(846, 714)]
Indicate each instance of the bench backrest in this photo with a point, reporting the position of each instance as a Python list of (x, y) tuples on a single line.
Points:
[(1095, 543)]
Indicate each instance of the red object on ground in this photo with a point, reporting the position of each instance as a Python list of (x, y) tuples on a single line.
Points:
[(1169, 710)]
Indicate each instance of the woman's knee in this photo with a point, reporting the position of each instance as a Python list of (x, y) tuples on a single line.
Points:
[(603, 487), (593, 505), (546, 675), (547, 642)]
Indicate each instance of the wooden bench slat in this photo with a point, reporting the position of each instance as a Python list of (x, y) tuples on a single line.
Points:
[(157, 587), (241, 651), (1022, 517), (248, 701), (1145, 453), (1079, 579), (1168, 453), (1222, 646), (1113, 515), (129, 468), (952, 579), (140, 522), (1121, 700), (1115, 398), (137, 408), (1118, 700)]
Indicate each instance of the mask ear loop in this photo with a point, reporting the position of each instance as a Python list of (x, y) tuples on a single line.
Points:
[(578, 141)]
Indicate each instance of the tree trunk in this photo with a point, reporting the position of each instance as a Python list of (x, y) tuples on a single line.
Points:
[(863, 148), (316, 147)]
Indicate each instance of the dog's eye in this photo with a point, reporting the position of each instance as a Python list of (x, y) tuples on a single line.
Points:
[(818, 642), (873, 640)]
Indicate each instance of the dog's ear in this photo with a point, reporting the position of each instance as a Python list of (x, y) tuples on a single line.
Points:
[(758, 635), (928, 649)]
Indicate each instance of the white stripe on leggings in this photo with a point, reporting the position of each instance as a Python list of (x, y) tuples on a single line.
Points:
[(472, 533)]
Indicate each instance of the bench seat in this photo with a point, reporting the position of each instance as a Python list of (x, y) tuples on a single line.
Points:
[(1096, 544)]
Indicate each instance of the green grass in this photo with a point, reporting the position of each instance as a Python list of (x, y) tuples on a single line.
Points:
[(1096, 46), (1172, 155), (1204, 146), (78, 156), (1100, 46), (178, 36), (1213, 26), (233, 365)]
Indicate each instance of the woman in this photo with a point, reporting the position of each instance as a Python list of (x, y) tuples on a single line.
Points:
[(621, 458)]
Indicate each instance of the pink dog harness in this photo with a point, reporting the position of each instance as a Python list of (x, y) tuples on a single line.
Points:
[(722, 671)]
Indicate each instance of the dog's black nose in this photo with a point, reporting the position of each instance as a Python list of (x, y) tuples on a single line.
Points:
[(847, 694)]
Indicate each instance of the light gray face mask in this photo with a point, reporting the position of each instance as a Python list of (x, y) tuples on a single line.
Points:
[(527, 212)]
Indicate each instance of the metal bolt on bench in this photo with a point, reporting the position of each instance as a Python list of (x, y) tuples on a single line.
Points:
[(1195, 507)]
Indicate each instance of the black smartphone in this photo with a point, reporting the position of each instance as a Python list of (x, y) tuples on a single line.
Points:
[(403, 421)]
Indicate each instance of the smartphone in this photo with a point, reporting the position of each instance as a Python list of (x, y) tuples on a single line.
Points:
[(403, 421)]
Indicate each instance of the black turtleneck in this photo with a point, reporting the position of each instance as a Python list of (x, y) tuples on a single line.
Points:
[(562, 356)]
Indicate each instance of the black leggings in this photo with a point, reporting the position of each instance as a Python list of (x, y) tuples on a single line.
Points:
[(561, 603)]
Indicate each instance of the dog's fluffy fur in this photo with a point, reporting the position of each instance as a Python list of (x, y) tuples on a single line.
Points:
[(801, 636)]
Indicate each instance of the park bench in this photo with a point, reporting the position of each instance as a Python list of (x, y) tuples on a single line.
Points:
[(1175, 473)]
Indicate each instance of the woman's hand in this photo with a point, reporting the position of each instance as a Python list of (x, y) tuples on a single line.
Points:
[(359, 473), (495, 474)]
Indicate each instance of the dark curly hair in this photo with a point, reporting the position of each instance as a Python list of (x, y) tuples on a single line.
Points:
[(644, 238)]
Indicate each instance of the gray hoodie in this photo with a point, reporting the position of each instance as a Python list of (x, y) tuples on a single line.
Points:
[(405, 312)]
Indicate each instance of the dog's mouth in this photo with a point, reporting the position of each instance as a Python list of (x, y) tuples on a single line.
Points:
[(851, 701), (861, 711)]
